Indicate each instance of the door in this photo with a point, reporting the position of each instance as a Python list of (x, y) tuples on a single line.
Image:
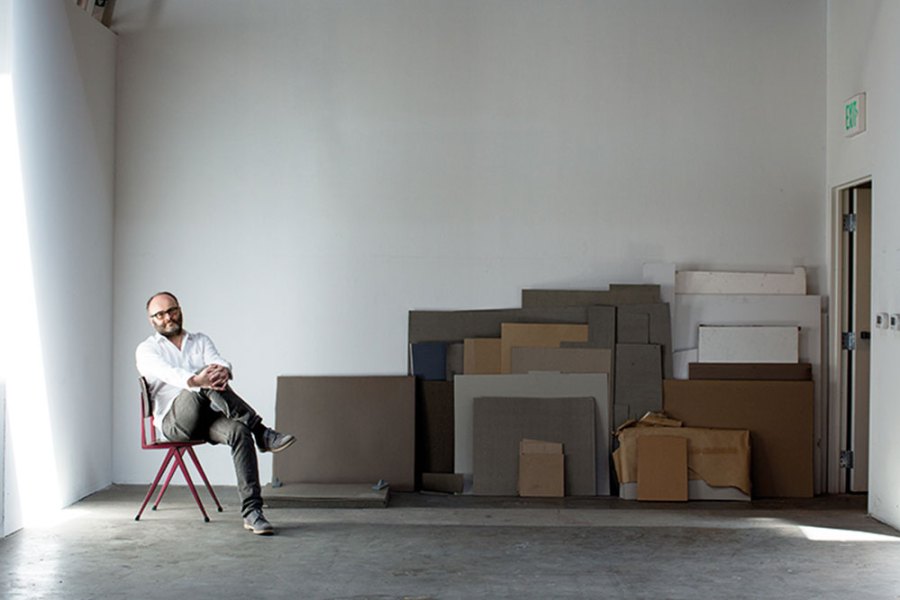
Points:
[(856, 320)]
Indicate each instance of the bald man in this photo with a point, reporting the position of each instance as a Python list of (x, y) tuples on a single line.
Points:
[(192, 400)]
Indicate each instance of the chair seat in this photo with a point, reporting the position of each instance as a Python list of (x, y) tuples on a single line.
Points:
[(166, 445)]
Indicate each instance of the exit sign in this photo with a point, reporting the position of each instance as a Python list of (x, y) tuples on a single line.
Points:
[(855, 115)]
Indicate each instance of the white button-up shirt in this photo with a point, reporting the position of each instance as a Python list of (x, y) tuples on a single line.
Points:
[(168, 369)]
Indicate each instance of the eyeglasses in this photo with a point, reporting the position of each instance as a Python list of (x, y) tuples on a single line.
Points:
[(169, 311)]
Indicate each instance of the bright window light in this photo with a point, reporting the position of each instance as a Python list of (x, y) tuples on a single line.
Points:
[(21, 360)]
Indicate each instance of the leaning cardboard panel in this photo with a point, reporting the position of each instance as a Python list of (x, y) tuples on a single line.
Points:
[(457, 325), (564, 360), (616, 295), (351, 430), (531, 385), (660, 329), (541, 469), (730, 282), (638, 380), (542, 335), (692, 310), (499, 425), (662, 468), (779, 415), (434, 427), (481, 356), (751, 371)]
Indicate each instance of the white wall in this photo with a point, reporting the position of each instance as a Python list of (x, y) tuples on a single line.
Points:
[(303, 173), (63, 73), (863, 49)]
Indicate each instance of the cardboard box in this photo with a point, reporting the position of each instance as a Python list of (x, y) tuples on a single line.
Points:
[(778, 414), (541, 469), (720, 457)]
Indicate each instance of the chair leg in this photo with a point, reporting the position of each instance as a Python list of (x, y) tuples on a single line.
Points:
[(153, 485), (190, 482), (165, 485), (203, 475)]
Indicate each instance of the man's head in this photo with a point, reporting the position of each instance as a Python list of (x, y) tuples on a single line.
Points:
[(165, 314)]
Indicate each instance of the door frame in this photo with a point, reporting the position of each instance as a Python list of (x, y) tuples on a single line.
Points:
[(838, 409)]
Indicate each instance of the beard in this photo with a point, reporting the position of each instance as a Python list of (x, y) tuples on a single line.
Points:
[(170, 329)]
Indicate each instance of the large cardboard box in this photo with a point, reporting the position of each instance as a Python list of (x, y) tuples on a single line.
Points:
[(541, 469), (778, 414), (719, 457)]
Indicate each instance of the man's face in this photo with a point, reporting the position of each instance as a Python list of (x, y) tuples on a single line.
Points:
[(165, 315)]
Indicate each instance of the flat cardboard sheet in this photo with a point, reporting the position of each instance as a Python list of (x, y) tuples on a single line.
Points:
[(531, 385), (457, 325), (530, 335), (692, 310), (720, 457), (751, 371), (748, 344), (779, 416), (662, 473), (428, 360), (632, 328), (729, 282), (446, 483), (564, 360), (351, 430), (616, 295), (481, 356), (500, 424), (455, 360), (660, 329), (434, 426), (542, 475), (638, 380)]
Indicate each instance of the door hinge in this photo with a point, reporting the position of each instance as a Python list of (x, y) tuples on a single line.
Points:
[(848, 340), (850, 222), (846, 459)]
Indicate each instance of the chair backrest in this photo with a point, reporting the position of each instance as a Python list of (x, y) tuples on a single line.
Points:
[(148, 431)]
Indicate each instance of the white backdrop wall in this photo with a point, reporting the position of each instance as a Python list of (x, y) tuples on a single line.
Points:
[(302, 173), (863, 49), (63, 75)]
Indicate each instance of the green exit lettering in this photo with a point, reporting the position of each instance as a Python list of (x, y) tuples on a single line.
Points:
[(851, 115)]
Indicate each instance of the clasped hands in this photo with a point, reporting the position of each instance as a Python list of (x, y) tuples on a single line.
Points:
[(213, 376)]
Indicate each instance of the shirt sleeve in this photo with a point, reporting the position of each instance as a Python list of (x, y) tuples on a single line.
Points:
[(154, 366)]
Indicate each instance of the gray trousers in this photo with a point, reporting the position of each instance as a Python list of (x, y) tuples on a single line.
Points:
[(220, 418)]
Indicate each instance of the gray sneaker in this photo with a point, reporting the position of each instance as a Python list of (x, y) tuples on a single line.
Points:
[(257, 523), (274, 441)]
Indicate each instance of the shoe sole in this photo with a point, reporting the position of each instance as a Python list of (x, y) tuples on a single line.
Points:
[(259, 531)]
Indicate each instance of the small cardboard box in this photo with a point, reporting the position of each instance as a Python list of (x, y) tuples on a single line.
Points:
[(541, 469)]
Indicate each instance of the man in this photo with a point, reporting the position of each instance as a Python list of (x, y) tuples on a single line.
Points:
[(192, 400)]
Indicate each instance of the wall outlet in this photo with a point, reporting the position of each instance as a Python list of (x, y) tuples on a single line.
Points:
[(895, 322), (881, 320)]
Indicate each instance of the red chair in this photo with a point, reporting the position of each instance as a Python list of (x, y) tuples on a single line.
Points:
[(176, 451)]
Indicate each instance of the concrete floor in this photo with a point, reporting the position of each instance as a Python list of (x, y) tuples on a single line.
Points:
[(426, 546)]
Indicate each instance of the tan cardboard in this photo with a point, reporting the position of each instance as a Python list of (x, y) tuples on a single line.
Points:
[(662, 468), (543, 335), (542, 475), (720, 457), (481, 356)]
